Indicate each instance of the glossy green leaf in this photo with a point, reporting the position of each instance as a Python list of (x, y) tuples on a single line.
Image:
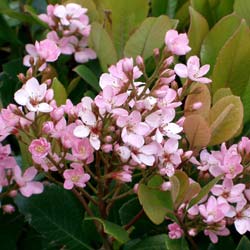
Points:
[(126, 16), (220, 93), (223, 243), (112, 229), (178, 244), (204, 191), (89, 77), (216, 39), (150, 35), (204, 8), (233, 63), (223, 8), (155, 200), (244, 244), (242, 8), (60, 94), (56, 214), (101, 42), (182, 15), (157, 242), (167, 7), (197, 31), (226, 117), (197, 131)]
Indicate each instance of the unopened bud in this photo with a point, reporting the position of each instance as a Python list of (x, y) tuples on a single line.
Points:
[(197, 105), (21, 78), (140, 63), (8, 209), (166, 186)]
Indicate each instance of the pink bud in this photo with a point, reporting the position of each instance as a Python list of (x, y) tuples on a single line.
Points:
[(197, 105), (108, 138), (166, 186), (13, 193), (49, 95), (48, 127), (8, 209), (107, 148), (57, 113), (135, 188)]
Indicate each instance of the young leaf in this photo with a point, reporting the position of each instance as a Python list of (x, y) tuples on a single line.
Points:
[(220, 93), (112, 229), (204, 191), (89, 77), (197, 31), (197, 131), (148, 36), (198, 93), (167, 7), (153, 200), (216, 39), (102, 44), (57, 215), (60, 94), (226, 117), (233, 63)]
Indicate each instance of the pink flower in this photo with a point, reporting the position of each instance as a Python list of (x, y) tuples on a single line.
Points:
[(8, 209), (32, 95), (175, 231), (83, 54), (75, 176), (39, 148), (47, 50), (133, 129), (27, 187), (232, 193), (193, 70), (176, 43), (82, 149), (125, 175), (214, 210), (108, 100), (214, 230)]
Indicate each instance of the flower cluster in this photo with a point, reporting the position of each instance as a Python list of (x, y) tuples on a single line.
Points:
[(134, 126), (70, 29)]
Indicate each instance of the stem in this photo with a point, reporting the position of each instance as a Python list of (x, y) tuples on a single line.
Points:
[(134, 220), (83, 202)]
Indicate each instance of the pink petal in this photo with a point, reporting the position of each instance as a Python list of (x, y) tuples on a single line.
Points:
[(81, 131), (181, 70), (29, 174)]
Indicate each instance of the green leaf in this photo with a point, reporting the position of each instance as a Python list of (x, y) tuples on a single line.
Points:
[(197, 131), (220, 93), (101, 42), (216, 39), (60, 94), (233, 63), (157, 242), (112, 229), (244, 244), (223, 243), (89, 77), (197, 31), (150, 35), (126, 16), (204, 8), (223, 8), (33, 14), (10, 230), (56, 214), (242, 8), (155, 200), (226, 117), (204, 191), (182, 15), (167, 7), (179, 244)]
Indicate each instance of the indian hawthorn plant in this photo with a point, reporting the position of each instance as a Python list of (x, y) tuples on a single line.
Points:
[(132, 139)]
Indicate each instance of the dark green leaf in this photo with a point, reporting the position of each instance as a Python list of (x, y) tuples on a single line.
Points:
[(244, 244), (112, 229), (57, 215), (161, 7), (179, 244), (89, 77)]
